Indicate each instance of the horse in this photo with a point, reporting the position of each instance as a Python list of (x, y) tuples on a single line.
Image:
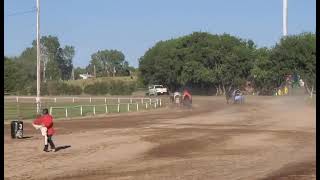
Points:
[(236, 96)]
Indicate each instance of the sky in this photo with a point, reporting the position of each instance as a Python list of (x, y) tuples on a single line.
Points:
[(135, 26)]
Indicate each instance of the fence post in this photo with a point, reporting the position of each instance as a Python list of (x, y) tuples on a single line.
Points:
[(150, 100), (105, 100), (160, 103), (51, 110), (55, 100), (128, 107), (155, 105), (66, 112), (130, 100), (137, 106), (81, 110), (73, 99), (17, 98), (146, 105), (90, 99), (106, 108), (118, 100), (94, 110), (118, 107)]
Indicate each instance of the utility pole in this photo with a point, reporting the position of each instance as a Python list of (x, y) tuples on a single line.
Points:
[(72, 74), (38, 58), (44, 61), (44, 57), (44, 71), (285, 17), (94, 71)]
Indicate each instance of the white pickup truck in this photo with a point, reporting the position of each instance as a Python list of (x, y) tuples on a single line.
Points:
[(157, 90)]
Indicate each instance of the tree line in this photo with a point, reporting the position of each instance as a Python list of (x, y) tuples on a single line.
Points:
[(107, 63), (202, 60), (199, 61), (57, 65)]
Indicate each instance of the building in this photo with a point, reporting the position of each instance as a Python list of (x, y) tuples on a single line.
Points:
[(86, 76)]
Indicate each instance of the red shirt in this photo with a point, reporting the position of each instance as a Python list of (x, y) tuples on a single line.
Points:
[(186, 94), (47, 121)]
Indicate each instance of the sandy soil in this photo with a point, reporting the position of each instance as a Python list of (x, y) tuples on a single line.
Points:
[(265, 138)]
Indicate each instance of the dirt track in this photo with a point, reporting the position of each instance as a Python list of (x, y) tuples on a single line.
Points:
[(266, 138)]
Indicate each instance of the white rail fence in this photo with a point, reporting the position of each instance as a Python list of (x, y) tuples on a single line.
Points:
[(83, 110), (26, 99), (24, 107)]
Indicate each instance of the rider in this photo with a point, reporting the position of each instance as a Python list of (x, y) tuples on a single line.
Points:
[(187, 95), (237, 95)]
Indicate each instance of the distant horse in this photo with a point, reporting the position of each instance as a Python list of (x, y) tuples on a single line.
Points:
[(236, 96), (177, 98), (239, 99)]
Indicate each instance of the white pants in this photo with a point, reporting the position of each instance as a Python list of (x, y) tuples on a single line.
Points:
[(43, 132)]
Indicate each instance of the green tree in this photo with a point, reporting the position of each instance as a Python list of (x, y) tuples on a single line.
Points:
[(200, 60), (108, 63), (27, 68), (97, 64), (162, 64), (264, 74), (10, 75), (296, 54), (53, 71), (66, 65), (54, 55), (49, 46), (57, 60)]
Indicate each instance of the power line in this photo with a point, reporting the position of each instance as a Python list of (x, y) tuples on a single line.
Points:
[(23, 12)]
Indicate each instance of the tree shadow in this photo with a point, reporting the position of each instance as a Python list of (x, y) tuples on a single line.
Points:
[(62, 147), (26, 137)]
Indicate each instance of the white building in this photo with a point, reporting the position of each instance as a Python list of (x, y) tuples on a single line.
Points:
[(86, 76)]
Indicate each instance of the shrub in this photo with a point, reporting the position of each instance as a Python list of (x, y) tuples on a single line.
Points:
[(98, 88), (61, 88), (112, 87), (121, 88)]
